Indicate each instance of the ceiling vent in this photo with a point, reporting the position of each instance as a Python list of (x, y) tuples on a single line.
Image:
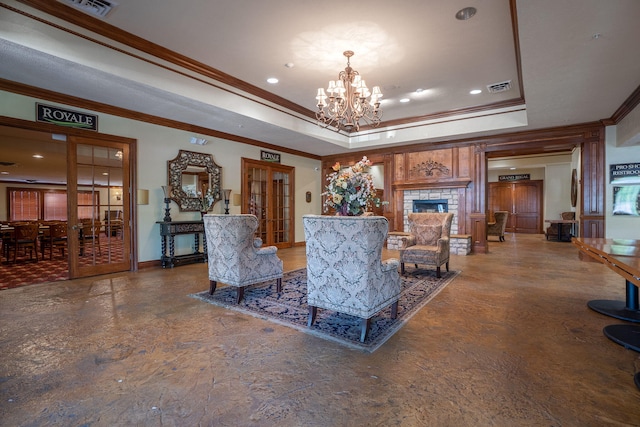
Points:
[(8, 164), (499, 87), (99, 8)]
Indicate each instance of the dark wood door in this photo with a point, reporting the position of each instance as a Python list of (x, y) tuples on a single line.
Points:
[(523, 201)]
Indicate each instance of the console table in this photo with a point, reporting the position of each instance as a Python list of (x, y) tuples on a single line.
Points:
[(168, 231)]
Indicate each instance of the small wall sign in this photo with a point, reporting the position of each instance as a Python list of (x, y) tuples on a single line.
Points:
[(627, 172), (269, 157), (68, 118), (514, 177)]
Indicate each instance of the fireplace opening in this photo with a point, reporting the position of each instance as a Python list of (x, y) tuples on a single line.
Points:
[(436, 205)]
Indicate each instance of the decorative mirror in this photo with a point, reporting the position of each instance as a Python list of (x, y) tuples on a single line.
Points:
[(195, 181)]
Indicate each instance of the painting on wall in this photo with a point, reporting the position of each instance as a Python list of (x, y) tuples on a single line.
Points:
[(626, 200)]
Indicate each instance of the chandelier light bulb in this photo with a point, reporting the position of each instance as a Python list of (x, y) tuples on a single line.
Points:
[(348, 102)]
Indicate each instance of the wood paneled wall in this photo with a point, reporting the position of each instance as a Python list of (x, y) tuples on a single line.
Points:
[(462, 164)]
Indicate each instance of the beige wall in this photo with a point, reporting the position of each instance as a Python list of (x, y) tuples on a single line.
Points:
[(156, 145)]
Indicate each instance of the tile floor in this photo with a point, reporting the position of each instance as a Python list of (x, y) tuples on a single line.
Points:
[(510, 342)]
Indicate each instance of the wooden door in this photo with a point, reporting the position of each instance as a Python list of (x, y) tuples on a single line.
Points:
[(523, 201), (501, 199), (267, 193), (99, 229), (527, 202)]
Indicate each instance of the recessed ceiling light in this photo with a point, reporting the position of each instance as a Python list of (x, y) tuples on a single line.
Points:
[(405, 100), (289, 65), (272, 80), (512, 169), (4, 173), (419, 90), (38, 156), (105, 173), (475, 91)]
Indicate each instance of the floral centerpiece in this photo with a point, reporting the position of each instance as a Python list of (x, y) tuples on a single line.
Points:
[(351, 189), (207, 199)]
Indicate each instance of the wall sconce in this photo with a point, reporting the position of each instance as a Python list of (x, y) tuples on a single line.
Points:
[(142, 197), (166, 189), (227, 194)]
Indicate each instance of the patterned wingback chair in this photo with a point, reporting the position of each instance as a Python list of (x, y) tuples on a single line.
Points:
[(235, 254), (428, 240), (497, 227), (345, 272)]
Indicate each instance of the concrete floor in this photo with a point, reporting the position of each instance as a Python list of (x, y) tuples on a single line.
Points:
[(510, 342)]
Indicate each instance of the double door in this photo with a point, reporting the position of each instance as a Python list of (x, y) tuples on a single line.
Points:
[(267, 191), (523, 201)]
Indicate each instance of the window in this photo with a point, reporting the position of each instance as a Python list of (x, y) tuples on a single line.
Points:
[(33, 204)]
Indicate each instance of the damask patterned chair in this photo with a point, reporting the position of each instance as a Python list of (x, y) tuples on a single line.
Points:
[(428, 240), (497, 227), (345, 272), (236, 256)]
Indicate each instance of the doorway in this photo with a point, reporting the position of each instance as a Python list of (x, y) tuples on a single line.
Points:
[(99, 169), (523, 201), (267, 190)]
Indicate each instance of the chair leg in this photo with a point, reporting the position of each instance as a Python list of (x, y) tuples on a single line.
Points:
[(402, 268), (438, 272), (416, 265), (447, 265), (394, 309), (312, 315), (364, 329), (279, 285), (239, 294), (212, 286)]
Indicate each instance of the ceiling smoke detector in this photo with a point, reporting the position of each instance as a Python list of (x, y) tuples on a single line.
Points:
[(99, 8), (499, 87)]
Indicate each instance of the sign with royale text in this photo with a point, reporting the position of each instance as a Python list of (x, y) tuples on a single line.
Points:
[(514, 177), (68, 118), (269, 157)]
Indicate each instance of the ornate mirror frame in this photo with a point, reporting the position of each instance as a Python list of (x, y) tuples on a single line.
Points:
[(179, 164)]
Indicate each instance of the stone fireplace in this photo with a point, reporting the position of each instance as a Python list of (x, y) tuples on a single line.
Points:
[(432, 199)]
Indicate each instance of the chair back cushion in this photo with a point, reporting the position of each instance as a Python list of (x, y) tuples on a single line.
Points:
[(344, 268), (233, 258), (421, 219), (428, 235)]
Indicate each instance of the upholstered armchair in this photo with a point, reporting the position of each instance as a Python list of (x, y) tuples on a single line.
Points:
[(235, 255), (428, 240), (345, 272), (552, 230), (497, 227)]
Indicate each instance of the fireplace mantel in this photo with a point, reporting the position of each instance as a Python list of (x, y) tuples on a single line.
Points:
[(463, 183)]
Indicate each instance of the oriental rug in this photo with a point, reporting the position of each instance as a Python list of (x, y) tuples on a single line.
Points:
[(289, 308)]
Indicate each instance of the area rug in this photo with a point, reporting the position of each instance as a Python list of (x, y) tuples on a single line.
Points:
[(289, 308)]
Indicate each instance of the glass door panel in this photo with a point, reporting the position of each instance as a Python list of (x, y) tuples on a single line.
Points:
[(268, 194), (100, 212)]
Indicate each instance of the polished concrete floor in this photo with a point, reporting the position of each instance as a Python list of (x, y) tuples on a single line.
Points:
[(510, 342)]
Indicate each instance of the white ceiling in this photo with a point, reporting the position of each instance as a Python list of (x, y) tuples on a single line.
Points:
[(568, 74)]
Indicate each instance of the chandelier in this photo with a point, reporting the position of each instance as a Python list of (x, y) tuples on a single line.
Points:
[(349, 100)]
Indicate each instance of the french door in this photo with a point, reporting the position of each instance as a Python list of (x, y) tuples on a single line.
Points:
[(267, 191), (98, 209)]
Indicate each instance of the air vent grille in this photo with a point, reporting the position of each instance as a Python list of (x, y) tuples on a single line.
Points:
[(100, 8), (499, 87)]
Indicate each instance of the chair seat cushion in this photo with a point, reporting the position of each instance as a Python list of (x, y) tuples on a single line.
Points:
[(428, 235)]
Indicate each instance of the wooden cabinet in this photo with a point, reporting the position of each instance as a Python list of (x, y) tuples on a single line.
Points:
[(523, 201)]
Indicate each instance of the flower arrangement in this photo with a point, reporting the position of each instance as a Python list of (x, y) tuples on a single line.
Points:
[(350, 190), (207, 199)]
